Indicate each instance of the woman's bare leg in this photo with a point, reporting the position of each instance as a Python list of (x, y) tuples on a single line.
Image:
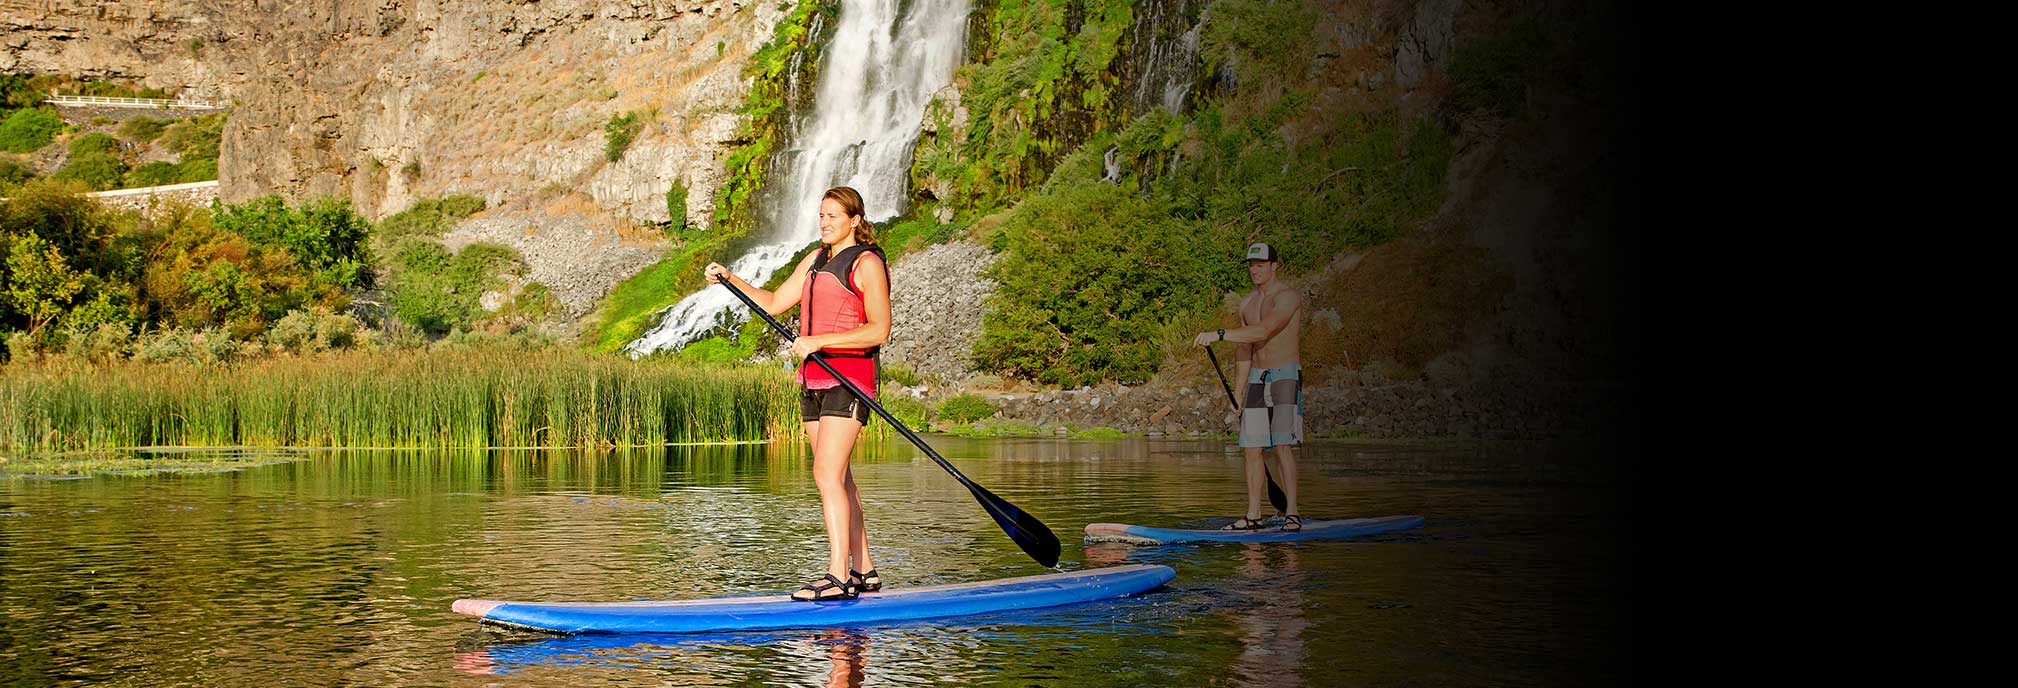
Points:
[(834, 441)]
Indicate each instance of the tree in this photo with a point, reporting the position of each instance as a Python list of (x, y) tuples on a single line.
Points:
[(40, 284)]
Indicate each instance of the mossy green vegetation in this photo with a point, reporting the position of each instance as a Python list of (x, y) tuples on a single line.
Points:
[(1040, 83), (1099, 264), (437, 290), (143, 128), (1004, 428), (1099, 432), (427, 217), (770, 71), (618, 133), (140, 463), (96, 171), (29, 129), (965, 408)]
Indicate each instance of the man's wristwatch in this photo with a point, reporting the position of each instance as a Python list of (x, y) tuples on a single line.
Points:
[(1222, 334)]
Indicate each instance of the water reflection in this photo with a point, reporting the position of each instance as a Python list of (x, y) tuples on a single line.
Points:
[(1268, 582), (344, 565)]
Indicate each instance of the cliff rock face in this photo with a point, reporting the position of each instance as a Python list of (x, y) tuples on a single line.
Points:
[(154, 42), (386, 101)]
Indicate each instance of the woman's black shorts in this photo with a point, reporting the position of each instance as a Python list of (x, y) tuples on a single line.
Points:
[(833, 401)]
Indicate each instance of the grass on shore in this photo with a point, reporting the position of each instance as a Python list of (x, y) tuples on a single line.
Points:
[(556, 398)]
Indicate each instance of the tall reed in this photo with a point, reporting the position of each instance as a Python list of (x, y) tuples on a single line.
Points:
[(474, 398)]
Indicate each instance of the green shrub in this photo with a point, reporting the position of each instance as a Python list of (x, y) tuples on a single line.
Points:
[(718, 350), (911, 412), (324, 235), (29, 129), (534, 301), (1007, 428), (914, 233), (1087, 275), (314, 330), (427, 217), (20, 91), (196, 170), (97, 170), (14, 174), (170, 345), (676, 209), (1266, 38), (1493, 75), (437, 291), (155, 173), (965, 408), (143, 128), (619, 131), (1098, 433), (196, 137), (23, 347), (103, 342), (899, 374), (93, 142)]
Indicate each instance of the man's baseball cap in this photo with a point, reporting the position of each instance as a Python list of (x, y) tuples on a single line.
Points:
[(1261, 251)]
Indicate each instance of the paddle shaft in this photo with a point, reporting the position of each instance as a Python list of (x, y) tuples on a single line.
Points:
[(1275, 496), (988, 499)]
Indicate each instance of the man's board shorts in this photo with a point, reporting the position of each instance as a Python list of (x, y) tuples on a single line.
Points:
[(832, 401), (1273, 412)]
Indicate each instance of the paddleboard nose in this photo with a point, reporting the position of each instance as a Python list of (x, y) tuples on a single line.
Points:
[(476, 608)]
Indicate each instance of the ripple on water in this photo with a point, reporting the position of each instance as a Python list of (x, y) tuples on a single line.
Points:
[(281, 574)]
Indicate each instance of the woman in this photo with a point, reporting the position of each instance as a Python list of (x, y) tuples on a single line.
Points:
[(843, 291)]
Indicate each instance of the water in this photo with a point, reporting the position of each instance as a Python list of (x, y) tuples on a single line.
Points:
[(881, 68), (339, 569), (1163, 53)]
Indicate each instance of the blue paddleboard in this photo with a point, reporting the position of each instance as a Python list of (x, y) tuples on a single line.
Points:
[(772, 612), (1328, 529)]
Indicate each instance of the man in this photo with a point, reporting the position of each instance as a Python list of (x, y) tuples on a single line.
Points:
[(1266, 357)]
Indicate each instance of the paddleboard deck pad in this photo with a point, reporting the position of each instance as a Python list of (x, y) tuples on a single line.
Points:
[(774, 612), (1327, 529)]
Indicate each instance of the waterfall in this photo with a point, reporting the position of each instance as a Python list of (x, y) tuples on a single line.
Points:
[(1163, 53), (878, 72)]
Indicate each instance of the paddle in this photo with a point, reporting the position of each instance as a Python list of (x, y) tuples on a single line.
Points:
[(1028, 532), (1275, 495)]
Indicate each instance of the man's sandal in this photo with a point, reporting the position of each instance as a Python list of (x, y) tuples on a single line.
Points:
[(819, 592), (1244, 523), (865, 582)]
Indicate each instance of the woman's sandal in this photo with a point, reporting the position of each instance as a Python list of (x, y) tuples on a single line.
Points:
[(1292, 523), (1244, 523), (863, 581), (829, 582)]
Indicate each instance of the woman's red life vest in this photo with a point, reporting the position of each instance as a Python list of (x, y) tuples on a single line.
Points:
[(832, 303)]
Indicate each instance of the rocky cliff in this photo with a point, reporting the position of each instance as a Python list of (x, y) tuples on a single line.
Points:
[(385, 101)]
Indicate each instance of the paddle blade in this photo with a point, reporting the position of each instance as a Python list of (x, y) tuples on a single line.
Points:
[(1029, 533), (1276, 497)]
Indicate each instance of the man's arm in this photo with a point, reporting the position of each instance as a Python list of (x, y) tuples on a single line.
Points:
[(1281, 309)]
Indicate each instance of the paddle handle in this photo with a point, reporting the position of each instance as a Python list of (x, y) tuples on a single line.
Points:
[(1275, 496)]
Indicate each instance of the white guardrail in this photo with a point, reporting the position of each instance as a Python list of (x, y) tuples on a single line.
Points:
[(151, 189), (138, 102)]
